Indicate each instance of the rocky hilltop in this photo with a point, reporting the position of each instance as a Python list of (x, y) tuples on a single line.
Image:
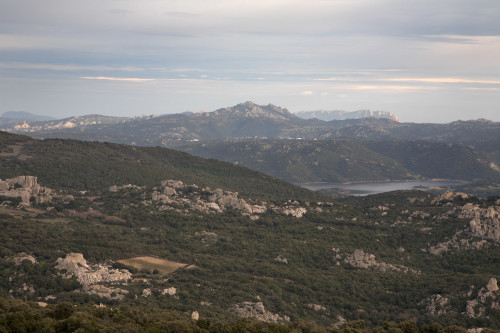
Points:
[(252, 110), (176, 196), (483, 227), (342, 115)]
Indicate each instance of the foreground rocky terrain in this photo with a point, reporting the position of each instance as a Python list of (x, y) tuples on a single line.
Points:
[(153, 228)]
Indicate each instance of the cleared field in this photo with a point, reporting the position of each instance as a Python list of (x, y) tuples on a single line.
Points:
[(150, 263)]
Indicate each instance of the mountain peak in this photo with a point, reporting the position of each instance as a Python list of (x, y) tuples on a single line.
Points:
[(251, 110)]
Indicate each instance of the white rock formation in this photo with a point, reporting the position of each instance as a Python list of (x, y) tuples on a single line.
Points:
[(76, 265), (367, 260), (25, 187)]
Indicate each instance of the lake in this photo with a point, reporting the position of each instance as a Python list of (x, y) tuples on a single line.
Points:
[(366, 188)]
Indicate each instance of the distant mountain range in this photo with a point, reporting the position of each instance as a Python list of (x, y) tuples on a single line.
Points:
[(249, 120), (272, 140), (22, 115), (343, 115)]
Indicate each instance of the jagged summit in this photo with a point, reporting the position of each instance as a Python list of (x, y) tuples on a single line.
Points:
[(252, 110)]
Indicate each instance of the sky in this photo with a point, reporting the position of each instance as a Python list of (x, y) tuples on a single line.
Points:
[(423, 60)]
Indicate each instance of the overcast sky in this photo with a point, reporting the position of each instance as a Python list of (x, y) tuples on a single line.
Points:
[(423, 60)]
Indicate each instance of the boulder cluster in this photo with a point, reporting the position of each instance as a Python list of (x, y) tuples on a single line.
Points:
[(257, 310), (182, 198), (367, 260), (26, 188), (92, 277)]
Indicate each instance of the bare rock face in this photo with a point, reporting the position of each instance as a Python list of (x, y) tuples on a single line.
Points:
[(76, 265), (492, 285), (25, 187), (257, 310)]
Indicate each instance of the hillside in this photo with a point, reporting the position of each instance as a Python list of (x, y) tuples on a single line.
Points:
[(338, 160), (220, 242), (91, 165), (303, 161)]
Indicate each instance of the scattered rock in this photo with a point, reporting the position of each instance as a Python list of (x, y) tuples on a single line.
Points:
[(366, 260), (316, 307), (19, 258), (449, 196), (195, 315), (436, 304), (281, 258), (169, 291), (484, 224), (207, 238)]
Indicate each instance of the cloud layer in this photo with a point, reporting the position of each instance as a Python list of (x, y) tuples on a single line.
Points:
[(423, 60)]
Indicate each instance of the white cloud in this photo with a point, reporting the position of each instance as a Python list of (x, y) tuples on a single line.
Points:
[(306, 93)]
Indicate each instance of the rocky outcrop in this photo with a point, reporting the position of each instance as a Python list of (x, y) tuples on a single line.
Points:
[(281, 258), (74, 264), (20, 257), (487, 297), (207, 238), (436, 304), (316, 307), (177, 196), (257, 310), (484, 224), (366, 260), (292, 211), (26, 188), (169, 291), (449, 196)]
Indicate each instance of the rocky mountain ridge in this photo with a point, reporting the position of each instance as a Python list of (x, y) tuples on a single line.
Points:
[(249, 120)]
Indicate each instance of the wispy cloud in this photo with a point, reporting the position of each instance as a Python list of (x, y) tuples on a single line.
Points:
[(387, 87), (125, 79), (440, 80), (306, 93), (71, 67)]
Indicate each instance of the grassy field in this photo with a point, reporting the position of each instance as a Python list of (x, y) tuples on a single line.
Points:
[(151, 263)]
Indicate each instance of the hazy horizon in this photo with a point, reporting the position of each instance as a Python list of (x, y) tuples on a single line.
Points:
[(422, 61)]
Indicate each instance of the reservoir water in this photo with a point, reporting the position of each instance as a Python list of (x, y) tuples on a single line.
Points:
[(366, 188)]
